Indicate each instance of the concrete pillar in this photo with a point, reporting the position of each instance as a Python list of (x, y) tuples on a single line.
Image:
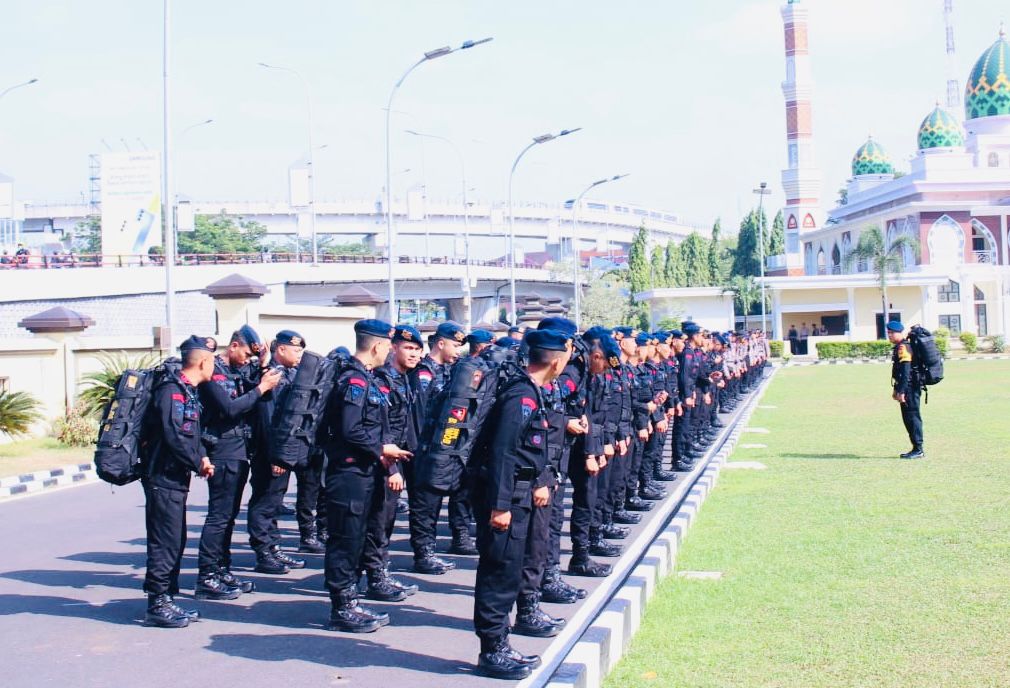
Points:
[(60, 325), (236, 300), (851, 296)]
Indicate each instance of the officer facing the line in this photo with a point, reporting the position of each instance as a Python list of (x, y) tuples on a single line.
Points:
[(907, 388)]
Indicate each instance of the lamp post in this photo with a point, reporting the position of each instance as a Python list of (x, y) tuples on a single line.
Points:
[(167, 209), (21, 85), (466, 224), (312, 160), (175, 182), (537, 140), (575, 240), (761, 191), (426, 57)]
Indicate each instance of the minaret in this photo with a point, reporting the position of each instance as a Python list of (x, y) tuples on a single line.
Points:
[(801, 181), (954, 94)]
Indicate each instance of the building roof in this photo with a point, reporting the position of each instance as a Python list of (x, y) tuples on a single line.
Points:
[(987, 93), (683, 293)]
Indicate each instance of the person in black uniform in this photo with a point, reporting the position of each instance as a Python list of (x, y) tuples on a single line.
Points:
[(269, 482), (227, 399), (428, 379), (394, 383), (479, 340), (516, 332), (907, 388), (512, 456), (171, 452), (354, 428)]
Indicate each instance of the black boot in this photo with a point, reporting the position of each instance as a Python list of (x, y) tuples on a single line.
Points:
[(684, 466), (381, 588), (228, 578), (663, 476), (634, 503), (209, 586), (498, 660), (162, 613), (287, 559), (425, 561), (266, 562), (626, 517), (533, 621), (310, 544), (402, 507), (191, 614), (916, 453), (462, 544), (555, 590), (582, 565), (650, 494), (599, 547), (613, 532), (347, 615), (408, 588)]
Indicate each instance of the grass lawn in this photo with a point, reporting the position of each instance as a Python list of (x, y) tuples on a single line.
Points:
[(27, 456), (844, 565)]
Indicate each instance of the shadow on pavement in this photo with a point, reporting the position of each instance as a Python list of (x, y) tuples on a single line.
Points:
[(127, 611)]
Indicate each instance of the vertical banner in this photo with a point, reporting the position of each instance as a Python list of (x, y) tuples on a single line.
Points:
[(131, 202)]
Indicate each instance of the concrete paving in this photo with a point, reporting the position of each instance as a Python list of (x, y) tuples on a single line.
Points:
[(71, 607)]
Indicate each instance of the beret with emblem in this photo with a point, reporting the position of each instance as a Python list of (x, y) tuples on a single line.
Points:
[(290, 337), (563, 325), (194, 343), (551, 340), (451, 331), (611, 351), (596, 333), (643, 339), (624, 331), (374, 328), (689, 328), (406, 333), (248, 335), (480, 337)]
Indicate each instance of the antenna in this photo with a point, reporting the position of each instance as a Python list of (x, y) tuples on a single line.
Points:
[(953, 85)]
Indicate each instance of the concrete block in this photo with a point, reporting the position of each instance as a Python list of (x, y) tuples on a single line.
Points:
[(588, 655), (648, 571), (9, 481), (621, 609), (672, 543), (569, 676), (600, 637), (659, 551), (633, 591), (680, 524)]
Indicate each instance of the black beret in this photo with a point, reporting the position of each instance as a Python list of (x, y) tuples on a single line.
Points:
[(547, 339), (480, 337), (690, 328), (290, 337), (406, 333), (611, 351), (452, 331), (194, 343), (563, 325), (374, 328)]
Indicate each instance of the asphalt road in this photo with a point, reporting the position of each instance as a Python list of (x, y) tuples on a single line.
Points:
[(71, 607)]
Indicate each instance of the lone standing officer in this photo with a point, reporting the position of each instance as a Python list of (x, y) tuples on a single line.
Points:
[(512, 455), (355, 425), (907, 388), (173, 451)]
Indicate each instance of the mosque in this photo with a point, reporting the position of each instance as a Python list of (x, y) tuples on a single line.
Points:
[(954, 201)]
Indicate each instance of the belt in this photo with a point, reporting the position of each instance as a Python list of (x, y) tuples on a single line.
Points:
[(527, 474)]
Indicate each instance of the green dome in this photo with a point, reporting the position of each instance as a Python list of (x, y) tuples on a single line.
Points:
[(871, 158), (940, 129), (988, 90)]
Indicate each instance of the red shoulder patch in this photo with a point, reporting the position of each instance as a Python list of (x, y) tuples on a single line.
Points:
[(178, 397), (357, 382), (570, 385), (384, 390), (424, 374), (218, 377), (529, 403)]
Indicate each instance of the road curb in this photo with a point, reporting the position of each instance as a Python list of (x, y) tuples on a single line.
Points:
[(29, 483), (608, 636)]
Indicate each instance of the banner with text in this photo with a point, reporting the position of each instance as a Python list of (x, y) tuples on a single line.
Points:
[(131, 202)]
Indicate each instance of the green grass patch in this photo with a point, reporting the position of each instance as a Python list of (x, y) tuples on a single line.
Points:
[(41, 454), (844, 565)]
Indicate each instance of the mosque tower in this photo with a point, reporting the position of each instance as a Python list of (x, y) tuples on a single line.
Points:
[(801, 181)]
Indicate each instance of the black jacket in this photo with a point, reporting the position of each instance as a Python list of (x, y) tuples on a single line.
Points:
[(171, 443)]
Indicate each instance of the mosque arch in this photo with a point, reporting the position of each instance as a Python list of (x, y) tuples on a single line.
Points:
[(983, 243), (946, 242)]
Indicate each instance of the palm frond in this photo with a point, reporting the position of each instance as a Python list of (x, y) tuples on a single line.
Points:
[(99, 387), (18, 411)]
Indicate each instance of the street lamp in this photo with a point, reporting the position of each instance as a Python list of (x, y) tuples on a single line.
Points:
[(575, 240), (175, 182), (167, 205), (466, 223), (761, 191), (11, 88), (537, 140), (430, 55), (312, 159)]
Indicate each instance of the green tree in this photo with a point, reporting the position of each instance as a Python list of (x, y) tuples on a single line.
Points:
[(87, 236), (223, 234), (746, 260), (886, 258), (657, 268), (673, 270), (746, 293), (712, 256), (694, 256), (777, 237), (638, 262), (606, 302)]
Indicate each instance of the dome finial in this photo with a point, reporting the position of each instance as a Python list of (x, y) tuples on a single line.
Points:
[(1002, 30)]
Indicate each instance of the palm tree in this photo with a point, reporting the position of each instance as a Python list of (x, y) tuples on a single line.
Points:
[(886, 258), (100, 386), (18, 410), (746, 293)]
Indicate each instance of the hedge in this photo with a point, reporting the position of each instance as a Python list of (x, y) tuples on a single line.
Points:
[(776, 348), (876, 349)]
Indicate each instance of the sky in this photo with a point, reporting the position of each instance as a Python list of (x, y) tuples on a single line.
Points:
[(685, 97)]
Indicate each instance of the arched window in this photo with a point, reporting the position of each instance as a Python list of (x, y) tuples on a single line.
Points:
[(946, 242), (808, 259), (994, 160), (983, 243), (949, 293), (979, 294), (836, 260), (821, 263)]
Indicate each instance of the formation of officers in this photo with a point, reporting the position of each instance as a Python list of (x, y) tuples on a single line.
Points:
[(595, 409)]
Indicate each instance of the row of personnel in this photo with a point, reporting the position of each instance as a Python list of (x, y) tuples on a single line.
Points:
[(594, 409)]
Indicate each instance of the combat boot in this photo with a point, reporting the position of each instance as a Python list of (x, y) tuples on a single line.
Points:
[(191, 614), (651, 494), (916, 453), (402, 507), (347, 615), (209, 586), (228, 578), (613, 532), (533, 621), (408, 588), (626, 517), (161, 613), (310, 544), (634, 503), (599, 547), (582, 565), (684, 466), (553, 589), (663, 476), (266, 562), (287, 559), (716, 423), (462, 544), (381, 588), (498, 660), (425, 561)]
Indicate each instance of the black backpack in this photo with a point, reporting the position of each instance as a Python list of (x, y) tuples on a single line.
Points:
[(458, 414), (119, 451), (927, 361), (297, 418)]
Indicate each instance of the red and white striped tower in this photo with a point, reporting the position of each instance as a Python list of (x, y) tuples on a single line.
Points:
[(801, 181)]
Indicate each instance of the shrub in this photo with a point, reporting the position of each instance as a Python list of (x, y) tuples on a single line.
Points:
[(776, 348), (100, 386), (831, 350), (998, 343), (942, 342), (18, 411), (970, 341), (76, 429)]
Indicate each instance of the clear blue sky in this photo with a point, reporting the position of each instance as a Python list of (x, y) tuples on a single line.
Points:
[(685, 96)]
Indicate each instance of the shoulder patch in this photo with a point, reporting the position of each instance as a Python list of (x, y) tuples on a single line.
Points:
[(529, 406), (570, 385), (357, 382)]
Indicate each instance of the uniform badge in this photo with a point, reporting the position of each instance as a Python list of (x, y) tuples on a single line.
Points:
[(458, 414), (355, 389), (296, 341), (529, 406)]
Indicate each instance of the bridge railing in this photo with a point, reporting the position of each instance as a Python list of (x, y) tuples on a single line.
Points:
[(96, 260)]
